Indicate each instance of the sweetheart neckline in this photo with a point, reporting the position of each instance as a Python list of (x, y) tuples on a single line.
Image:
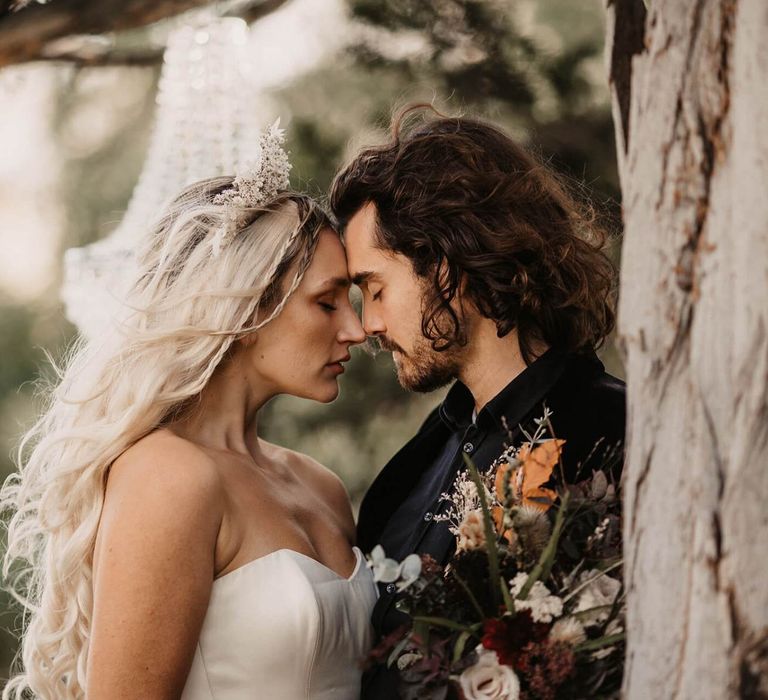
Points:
[(358, 564)]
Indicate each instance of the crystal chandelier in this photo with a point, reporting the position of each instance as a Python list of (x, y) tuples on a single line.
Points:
[(204, 126)]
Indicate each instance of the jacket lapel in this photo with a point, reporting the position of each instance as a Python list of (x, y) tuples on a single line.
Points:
[(397, 479)]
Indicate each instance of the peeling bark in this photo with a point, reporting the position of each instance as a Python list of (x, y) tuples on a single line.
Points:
[(627, 39), (693, 320)]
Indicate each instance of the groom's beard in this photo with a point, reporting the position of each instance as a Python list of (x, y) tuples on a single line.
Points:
[(423, 369)]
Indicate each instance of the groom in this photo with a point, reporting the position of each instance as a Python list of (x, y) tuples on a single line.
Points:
[(476, 268)]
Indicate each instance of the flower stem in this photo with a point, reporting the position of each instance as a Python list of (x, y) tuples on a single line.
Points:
[(470, 595), (490, 532)]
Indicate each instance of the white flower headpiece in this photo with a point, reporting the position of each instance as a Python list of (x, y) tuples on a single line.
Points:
[(256, 185)]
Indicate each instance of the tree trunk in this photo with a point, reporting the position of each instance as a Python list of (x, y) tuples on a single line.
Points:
[(693, 319)]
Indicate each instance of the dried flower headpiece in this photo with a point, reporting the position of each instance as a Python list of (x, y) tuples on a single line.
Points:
[(259, 183)]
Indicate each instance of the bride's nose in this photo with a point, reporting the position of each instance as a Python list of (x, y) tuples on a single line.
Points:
[(351, 330)]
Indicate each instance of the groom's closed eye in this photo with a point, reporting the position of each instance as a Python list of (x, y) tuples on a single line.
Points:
[(369, 282)]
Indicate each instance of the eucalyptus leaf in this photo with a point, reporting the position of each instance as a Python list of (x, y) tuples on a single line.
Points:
[(461, 643)]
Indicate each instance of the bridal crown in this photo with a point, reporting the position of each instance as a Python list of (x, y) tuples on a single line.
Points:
[(258, 183)]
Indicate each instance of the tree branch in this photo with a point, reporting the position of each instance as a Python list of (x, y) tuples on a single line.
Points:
[(24, 34), (86, 54), (252, 11), (38, 32)]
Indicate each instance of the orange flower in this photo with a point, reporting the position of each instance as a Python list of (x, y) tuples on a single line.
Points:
[(537, 465)]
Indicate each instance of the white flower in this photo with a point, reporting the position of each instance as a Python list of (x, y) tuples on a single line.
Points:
[(568, 630), (410, 570), (488, 679), (387, 570), (544, 607), (407, 659), (600, 591), (384, 570)]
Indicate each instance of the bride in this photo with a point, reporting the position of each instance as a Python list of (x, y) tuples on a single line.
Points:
[(160, 547)]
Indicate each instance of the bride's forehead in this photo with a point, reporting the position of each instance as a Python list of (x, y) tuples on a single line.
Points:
[(329, 261), (329, 250)]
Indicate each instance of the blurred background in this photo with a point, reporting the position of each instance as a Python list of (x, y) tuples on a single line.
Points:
[(76, 132)]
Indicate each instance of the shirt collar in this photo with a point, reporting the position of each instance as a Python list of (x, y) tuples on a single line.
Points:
[(513, 402)]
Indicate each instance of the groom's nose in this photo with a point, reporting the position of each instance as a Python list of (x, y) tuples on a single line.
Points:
[(373, 322)]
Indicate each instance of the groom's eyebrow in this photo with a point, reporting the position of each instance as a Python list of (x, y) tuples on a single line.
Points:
[(361, 278)]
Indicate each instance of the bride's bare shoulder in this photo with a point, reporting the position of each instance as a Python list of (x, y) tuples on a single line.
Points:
[(162, 447), (165, 462)]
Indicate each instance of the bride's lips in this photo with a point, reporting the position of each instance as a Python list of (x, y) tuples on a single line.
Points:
[(337, 366)]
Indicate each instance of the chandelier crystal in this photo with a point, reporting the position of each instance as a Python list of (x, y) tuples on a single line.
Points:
[(205, 125)]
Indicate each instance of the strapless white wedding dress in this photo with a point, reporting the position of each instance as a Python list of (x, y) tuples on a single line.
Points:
[(284, 627)]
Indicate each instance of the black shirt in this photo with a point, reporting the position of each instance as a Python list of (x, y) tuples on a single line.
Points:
[(588, 408), (412, 527)]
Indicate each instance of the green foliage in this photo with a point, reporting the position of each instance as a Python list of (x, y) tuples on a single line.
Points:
[(25, 330), (18, 364), (471, 47)]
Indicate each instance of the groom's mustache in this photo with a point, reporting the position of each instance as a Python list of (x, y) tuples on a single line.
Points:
[(381, 342)]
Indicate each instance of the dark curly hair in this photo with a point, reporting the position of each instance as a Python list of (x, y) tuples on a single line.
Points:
[(474, 211)]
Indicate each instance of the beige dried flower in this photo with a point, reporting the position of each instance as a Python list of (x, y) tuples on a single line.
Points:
[(259, 183), (568, 630), (533, 529), (471, 533)]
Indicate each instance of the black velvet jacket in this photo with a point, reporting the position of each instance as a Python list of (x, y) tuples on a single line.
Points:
[(588, 412)]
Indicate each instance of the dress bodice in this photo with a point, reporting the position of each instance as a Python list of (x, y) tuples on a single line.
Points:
[(284, 627)]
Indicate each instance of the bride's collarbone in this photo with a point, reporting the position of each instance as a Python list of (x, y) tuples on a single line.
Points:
[(271, 516)]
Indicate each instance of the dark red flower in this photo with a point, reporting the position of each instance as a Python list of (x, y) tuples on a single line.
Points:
[(509, 635), (545, 666)]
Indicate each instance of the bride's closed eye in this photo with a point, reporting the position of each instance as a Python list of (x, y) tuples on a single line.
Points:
[(327, 306)]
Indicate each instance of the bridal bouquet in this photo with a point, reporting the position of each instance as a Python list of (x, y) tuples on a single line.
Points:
[(531, 604)]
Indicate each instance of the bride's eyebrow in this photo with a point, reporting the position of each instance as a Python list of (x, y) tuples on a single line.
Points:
[(333, 284)]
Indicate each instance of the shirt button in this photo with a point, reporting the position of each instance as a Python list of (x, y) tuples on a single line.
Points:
[(428, 516), (391, 588), (469, 448)]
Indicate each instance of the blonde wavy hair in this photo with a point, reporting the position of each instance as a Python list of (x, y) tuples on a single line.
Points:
[(187, 307)]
